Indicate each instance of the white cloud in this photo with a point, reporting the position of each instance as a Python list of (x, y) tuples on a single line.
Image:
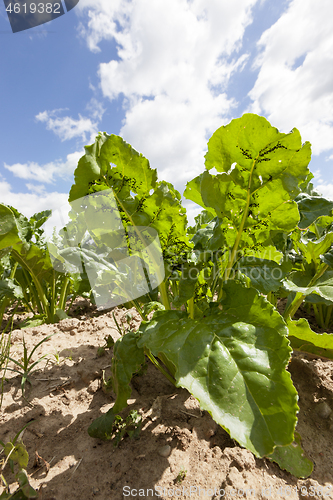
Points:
[(39, 189), (95, 109), (321, 186), (294, 87), (46, 173), (30, 203), (67, 128), (325, 189), (174, 63)]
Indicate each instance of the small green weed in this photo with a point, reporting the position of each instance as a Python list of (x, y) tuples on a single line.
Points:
[(25, 367), (16, 454), (131, 426), (181, 476), (109, 343), (115, 427), (4, 356)]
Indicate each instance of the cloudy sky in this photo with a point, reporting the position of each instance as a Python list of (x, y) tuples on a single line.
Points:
[(164, 76)]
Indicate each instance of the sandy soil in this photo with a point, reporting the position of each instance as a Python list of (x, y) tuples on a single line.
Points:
[(181, 452)]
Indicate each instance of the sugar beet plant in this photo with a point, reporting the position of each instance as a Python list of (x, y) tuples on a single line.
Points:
[(217, 335), (27, 275), (215, 330)]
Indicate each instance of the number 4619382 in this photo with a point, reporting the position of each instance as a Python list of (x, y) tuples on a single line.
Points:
[(40, 8)]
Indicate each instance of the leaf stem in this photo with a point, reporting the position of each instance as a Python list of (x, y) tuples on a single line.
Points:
[(190, 304), (164, 295), (290, 311), (241, 227), (328, 316), (147, 248), (138, 308), (41, 295), (63, 293), (159, 366), (321, 317)]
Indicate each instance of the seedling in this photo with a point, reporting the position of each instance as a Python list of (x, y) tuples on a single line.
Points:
[(4, 357), (130, 427), (116, 428), (181, 476), (16, 453), (26, 367), (109, 343)]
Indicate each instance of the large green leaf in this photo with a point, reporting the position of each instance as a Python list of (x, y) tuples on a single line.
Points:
[(312, 250), (234, 362), (261, 174), (293, 459), (16, 231), (9, 289), (298, 282), (111, 163), (265, 275), (34, 259), (127, 360), (312, 207), (8, 228), (302, 338)]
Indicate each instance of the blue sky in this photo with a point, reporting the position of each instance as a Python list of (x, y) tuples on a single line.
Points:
[(164, 76)]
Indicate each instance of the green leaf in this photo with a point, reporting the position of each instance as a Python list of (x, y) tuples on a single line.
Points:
[(312, 250), (327, 258), (88, 169), (302, 338), (298, 282), (8, 228), (9, 289), (261, 174), (27, 490), (234, 362), (31, 322), (60, 314), (38, 219), (265, 275), (102, 427), (111, 163), (292, 458), (312, 207), (322, 225), (127, 360), (34, 259), (187, 283), (18, 453)]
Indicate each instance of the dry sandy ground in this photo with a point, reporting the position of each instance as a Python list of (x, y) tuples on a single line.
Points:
[(202, 461)]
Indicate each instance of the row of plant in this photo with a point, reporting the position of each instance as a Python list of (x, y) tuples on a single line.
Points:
[(263, 234)]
